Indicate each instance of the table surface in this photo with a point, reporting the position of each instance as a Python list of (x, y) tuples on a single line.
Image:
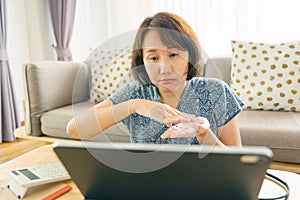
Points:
[(39, 156), (45, 154)]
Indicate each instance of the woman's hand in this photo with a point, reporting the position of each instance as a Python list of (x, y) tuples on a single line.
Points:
[(198, 126), (159, 111)]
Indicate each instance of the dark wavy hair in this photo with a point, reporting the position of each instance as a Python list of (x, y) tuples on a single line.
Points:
[(173, 32)]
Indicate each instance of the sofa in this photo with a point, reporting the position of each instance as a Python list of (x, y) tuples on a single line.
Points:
[(55, 90)]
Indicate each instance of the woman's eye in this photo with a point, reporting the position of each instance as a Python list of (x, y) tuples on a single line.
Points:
[(153, 58), (173, 54)]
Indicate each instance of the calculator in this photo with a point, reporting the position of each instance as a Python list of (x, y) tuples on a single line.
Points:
[(38, 175)]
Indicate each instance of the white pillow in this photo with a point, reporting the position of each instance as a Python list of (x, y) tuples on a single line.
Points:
[(110, 70), (267, 76)]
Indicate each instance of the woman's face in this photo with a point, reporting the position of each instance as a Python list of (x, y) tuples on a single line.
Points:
[(166, 67)]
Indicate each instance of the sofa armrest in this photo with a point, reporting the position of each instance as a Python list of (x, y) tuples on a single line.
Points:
[(52, 84)]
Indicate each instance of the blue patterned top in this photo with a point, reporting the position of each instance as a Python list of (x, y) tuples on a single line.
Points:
[(207, 97)]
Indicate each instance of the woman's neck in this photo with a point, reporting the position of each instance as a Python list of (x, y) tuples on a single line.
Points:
[(171, 97)]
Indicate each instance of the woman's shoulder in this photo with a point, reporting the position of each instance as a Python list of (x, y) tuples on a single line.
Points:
[(134, 90), (207, 82), (136, 85), (137, 90)]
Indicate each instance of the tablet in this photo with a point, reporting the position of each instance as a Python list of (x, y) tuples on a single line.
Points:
[(155, 171)]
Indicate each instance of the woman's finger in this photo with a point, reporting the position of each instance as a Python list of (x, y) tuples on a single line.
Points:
[(187, 118), (165, 135), (203, 123), (180, 118), (180, 135), (172, 120)]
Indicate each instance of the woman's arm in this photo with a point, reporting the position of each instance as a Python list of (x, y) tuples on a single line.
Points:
[(228, 135), (98, 118), (103, 115)]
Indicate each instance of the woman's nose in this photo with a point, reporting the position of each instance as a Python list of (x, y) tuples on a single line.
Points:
[(165, 65)]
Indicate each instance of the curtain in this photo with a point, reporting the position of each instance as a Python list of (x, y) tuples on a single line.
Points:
[(9, 113), (62, 15)]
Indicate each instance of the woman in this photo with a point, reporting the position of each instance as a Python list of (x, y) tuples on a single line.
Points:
[(166, 62)]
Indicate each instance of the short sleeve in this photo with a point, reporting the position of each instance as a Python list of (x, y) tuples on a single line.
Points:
[(227, 106), (121, 95)]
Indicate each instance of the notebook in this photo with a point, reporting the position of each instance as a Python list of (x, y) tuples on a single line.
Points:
[(154, 171)]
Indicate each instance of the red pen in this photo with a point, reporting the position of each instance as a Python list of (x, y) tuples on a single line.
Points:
[(58, 193)]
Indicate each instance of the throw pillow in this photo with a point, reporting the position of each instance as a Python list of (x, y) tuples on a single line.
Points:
[(267, 76), (110, 70)]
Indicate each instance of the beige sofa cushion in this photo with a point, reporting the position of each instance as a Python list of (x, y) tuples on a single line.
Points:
[(50, 85), (55, 121), (277, 130), (219, 67)]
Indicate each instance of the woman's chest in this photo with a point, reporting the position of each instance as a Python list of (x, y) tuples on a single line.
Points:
[(145, 130)]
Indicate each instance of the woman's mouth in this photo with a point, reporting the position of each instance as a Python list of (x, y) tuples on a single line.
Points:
[(166, 81)]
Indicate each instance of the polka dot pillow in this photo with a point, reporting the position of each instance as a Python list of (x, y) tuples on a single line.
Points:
[(110, 70), (267, 76)]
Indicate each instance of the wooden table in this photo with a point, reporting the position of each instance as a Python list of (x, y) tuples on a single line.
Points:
[(41, 155), (45, 154)]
